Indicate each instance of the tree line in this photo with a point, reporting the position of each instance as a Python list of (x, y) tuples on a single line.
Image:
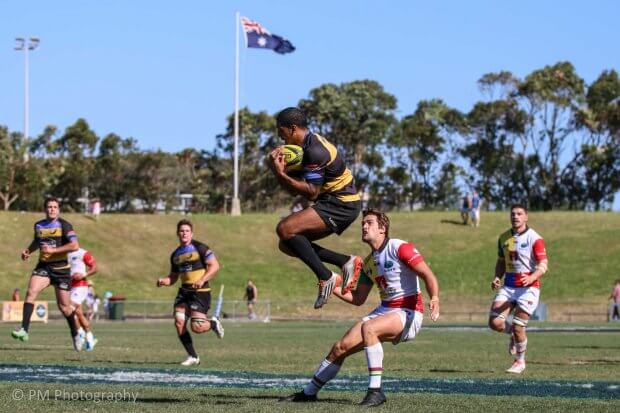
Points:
[(549, 140)]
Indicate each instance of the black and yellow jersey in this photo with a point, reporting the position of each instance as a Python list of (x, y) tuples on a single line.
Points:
[(324, 167), (190, 263), (55, 233)]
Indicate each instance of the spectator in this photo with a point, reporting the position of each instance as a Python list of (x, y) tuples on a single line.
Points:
[(476, 203), (614, 308), (251, 295), (465, 207)]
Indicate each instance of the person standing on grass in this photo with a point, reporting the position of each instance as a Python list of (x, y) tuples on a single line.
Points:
[(251, 295), (395, 266), (476, 203), (614, 314), (54, 237), (196, 265), (521, 262)]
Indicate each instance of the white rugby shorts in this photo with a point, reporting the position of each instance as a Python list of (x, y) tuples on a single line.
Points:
[(525, 298), (411, 320), (78, 294)]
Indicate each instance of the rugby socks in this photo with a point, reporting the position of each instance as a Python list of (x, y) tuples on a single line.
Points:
[(330, 256), (521, 348), (302, 247), (27, 313), (186, 340), (72, 324), (374, 357), (324, 373)]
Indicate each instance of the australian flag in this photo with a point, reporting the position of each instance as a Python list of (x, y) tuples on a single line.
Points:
[(259, 37)]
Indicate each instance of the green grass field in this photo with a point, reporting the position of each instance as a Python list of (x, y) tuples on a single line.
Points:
[(456, 359), (133, 250)]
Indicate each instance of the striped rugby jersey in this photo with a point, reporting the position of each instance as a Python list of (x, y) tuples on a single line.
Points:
[(521, 252), (189, 262)]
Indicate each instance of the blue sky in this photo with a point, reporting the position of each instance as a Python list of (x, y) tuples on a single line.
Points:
[(162, 72)]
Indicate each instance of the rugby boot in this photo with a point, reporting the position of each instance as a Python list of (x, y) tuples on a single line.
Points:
[(298, 397), (326, 287), (374, 397), (191, 361), (21, 334), (351, 273), (517, 367), (217, 327), (78, 342)]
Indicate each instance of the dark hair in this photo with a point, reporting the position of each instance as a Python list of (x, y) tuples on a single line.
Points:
[(184, 222), (292, 116), (50, 199), (522, 206), (382, 219)]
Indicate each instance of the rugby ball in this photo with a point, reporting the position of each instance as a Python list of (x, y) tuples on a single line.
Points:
[(293, 155)]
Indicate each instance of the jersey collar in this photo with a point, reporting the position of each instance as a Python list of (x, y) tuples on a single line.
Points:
[(306, 141), (383, 245), (520, 233)]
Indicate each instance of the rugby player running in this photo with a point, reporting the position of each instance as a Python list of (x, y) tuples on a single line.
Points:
[(394, 265), (196, 265), (521, 261), (329, 183), (54, 237)]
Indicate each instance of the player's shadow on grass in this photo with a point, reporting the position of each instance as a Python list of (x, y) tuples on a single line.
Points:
[(137, 363), (274, 397), (453, 222), (154, 400), (9, 348), (591, 347)]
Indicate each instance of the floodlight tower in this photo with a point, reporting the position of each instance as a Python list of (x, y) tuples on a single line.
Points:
[(26, 45)]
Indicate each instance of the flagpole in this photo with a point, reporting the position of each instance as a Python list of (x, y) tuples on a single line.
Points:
[(236, 205)]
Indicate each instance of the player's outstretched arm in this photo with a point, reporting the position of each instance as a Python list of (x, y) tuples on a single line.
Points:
[(432, 287), (355, 297)]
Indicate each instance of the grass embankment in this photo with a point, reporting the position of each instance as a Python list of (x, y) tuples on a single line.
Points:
[(133, 250)]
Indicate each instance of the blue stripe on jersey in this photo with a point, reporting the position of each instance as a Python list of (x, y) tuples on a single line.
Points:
[(48, 224), (185, 249), (313, 176), (510, 279)]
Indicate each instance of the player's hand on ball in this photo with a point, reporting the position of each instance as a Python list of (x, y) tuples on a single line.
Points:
[(496, 283), (433, 305), (277, 160)]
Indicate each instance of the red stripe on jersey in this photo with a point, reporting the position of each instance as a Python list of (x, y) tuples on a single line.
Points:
[(408, 254), (539, 249), (412, 302)]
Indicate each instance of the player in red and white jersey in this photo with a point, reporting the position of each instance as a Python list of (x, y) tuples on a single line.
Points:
[(521, 261), (83, 265), (394, 266)]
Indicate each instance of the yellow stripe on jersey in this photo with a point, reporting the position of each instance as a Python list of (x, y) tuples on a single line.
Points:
[(46, 257), (49, 232), (191, 277), (349, 198), (338, 183), (187, 257), (330, 148)]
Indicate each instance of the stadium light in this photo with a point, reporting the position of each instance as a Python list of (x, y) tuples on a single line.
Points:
[(26, 45)]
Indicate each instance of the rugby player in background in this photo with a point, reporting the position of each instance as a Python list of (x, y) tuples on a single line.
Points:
[(394, 266), (83, 265), (196, 265), (521, 261), (329, 183), (54, 237)]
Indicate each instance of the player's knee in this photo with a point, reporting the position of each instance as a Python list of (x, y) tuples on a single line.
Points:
[(285, 231), (339, 349), (199, 324), (519, 325), (368, 330), (66, 309), (497, 321)]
